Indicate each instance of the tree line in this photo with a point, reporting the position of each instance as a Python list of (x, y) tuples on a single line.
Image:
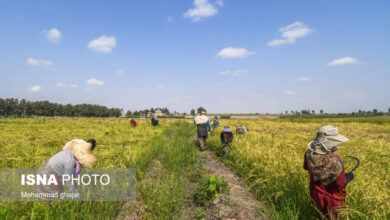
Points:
[(312, 113), (145, 112), (24, 108)]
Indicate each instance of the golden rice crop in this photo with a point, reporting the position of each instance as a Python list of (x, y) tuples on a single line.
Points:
[(28, 142), (270, 158)]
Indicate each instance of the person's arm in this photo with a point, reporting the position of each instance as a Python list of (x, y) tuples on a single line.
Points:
[(305, 163)]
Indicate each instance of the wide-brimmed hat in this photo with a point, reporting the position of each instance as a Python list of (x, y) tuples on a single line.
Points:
[(82, 150), (327, 139)]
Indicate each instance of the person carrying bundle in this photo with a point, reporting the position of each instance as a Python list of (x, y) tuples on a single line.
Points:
[(203, 124), (240, 130), (133, 123), (226, 138), (326, 170), (154, 121)]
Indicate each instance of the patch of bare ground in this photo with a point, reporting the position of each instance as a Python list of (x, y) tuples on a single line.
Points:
[(239, 203)]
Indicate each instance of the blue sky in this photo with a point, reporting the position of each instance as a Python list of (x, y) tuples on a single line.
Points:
[(229, 56)]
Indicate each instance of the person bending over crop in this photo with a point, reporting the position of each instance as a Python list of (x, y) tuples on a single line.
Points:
[(226, 138), (326, 170), (133, 123), (154, 122), (203, 125), (68, 161), (240, 130)]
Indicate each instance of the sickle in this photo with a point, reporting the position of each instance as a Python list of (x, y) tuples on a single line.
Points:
[(358, 163)]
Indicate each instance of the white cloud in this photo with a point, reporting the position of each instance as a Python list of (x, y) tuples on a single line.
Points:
[(61, 85), (35, 89), (231, 52), (290, 93), (160, 86), (87, 89), (219, 2), (53, 35), (303, 79), (239, 72), (74, 85), (343, 61), (35, 62), (234, 72), (102, 44), (169, 18), (94, 82), (120, 72), (290, 33), (187, 97), (202, 9), (224, 72)]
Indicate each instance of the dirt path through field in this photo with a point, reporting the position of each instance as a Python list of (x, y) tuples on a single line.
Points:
[(239, 203)]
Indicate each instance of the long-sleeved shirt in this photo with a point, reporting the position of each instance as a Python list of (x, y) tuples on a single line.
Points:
[(62, 163)]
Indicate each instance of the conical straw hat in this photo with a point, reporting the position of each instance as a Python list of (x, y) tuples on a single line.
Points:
[(82, 151)]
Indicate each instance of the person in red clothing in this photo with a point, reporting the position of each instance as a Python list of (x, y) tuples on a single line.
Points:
[(326, 170), (133, 123)]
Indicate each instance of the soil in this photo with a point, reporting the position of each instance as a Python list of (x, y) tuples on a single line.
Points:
[(239, 203)]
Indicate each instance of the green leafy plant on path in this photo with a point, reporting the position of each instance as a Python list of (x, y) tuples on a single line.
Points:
[(208, 189)]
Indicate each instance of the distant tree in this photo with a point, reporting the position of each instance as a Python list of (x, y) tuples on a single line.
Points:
[(128, 113), (321, 112), (193, 112), (286, 112), (375, 111), (313, 112), (201, 109)]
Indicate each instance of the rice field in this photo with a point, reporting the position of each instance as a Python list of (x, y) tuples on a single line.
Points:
[(270, 158), (27, 143)]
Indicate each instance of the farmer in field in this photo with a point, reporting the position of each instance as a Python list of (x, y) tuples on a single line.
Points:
[(215, 123), (68, 161), (326, 170), (226, 138), (203, 124), (133, 123), (240, 130), (154, 121)]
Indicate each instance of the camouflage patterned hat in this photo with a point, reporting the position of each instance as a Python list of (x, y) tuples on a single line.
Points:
[(327, 139)]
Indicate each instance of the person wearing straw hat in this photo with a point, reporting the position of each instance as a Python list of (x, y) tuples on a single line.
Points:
[(203, 124), (326, 170), (68, 161)]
